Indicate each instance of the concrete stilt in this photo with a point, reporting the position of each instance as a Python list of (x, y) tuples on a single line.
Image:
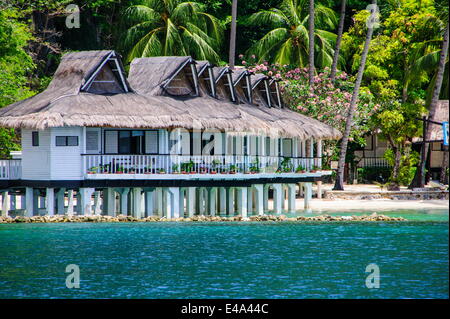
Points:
[(137, 202), (190, 201), (13, 202), (109, 202), (308, 195), (5, 204), (212, 197), (300, 189), (42, 202), (230, 201), (201, 202), (35, 202), (149, 209), (23, 202), (182, 192), (159, 201), (29, 201), (167, 207), (174, 201), (86, 197), (70, 202), (277, 198), (124, 200), (259, 199), (222, 201), (60, 197), (50, 201), (97, 203), (266, 198), (291, 197), (242, 201), (249, 201)]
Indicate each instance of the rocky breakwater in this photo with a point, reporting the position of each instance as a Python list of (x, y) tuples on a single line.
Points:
[(263, 218)]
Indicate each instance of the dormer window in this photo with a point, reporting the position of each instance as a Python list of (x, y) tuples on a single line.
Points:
[(108, 78), (184, 81)]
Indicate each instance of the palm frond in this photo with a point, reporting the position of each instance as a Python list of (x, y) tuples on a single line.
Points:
[(268, 42), (139, 13), (271, 17)]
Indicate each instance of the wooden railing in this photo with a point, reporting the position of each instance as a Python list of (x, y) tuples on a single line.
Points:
[(373, 162), (209, 164), (10, 169)]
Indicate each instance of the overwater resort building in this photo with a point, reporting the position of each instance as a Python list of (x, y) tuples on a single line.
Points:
[(174, 138)]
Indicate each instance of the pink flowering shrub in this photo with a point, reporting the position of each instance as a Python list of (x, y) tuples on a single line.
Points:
[(328, 102)]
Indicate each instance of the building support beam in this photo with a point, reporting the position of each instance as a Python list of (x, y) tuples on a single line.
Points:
[(266, 198), (222, 201), (50, 201), (137, 202), (109, 202), (212, 201), (308, 195), (97, 203), (86, 200), (149, 203), (319, 189), (5, 204), (259, 198), (60, 204), (242, 201), (174, 201), (124, 200), (249, 201), (291, 197), (29, 201), (190, 201), (230, 201), (70, 203), (277, 198)]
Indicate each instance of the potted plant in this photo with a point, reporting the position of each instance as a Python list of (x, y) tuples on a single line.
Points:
[(314, 169), (285, 165), (119, 170), (93, 170), (215, 163), (300, 169), (132, 170), (175, 169), (161, 171), (254, 167), (147, 170), (233, 169)]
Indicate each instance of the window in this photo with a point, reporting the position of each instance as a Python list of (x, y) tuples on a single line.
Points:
[(35, 138), (131, 142), (67, 141)]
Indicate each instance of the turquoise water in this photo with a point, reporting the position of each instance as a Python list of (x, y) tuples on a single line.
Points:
[(228, 260)]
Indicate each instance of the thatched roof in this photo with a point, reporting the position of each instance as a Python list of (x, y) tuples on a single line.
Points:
[(440, 116), (147, 105)]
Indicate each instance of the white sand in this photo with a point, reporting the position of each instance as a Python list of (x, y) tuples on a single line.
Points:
[(375, 204)]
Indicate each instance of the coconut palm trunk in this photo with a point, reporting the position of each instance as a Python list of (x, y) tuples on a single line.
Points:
[(338, 41), (419, 178), (339, 185), (232, 53), (311, 43)]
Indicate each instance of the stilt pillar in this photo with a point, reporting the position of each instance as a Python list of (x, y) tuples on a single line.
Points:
[(291, 197), (109, 202), (5, 204), (230, 201), (86, 196), (70, 202), (29, 201), (259, 199), (50, 201), (212, 195), (60, 197), (249, 201), (319, 189), (97, 203), (137, 203), (149, 204), (222, 201), (308, 195), (277, 198), (242, 201), (124, 201), (190, 201), (174, 193), (266, 198)]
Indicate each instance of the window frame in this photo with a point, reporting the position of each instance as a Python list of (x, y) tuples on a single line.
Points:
[(35, 138), (66, 141)]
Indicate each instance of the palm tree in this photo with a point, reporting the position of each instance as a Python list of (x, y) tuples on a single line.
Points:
[(288, 41), (338, 41), (311, 43), (420, 180), (171, 27), (339, 185), (233, 34)]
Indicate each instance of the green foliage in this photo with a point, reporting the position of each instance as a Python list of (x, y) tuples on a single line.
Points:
[(373, 174), (171, 27), (408, 166), (287, 41)]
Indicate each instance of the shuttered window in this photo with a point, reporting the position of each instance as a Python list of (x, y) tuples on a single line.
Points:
[(151, 142), (111, 142), (92, 138)]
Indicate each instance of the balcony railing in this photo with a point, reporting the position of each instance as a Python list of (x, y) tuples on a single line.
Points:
[(373, 162), (10, 169), (204, 164)]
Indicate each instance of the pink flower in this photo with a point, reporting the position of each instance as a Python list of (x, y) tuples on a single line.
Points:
[(244, 63), (240, 56), (269, 73), (278, 75), (253, 56)]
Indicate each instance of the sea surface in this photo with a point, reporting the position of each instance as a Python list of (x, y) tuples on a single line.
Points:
[(229, 260)]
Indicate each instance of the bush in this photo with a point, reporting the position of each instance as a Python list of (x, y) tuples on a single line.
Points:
[(368, 175)]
